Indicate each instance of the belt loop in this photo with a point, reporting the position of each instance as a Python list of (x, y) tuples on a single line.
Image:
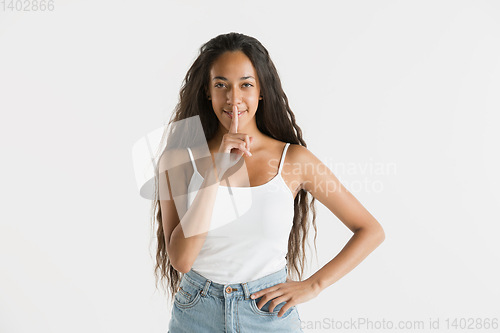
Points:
[(205, 288), (245, 291)]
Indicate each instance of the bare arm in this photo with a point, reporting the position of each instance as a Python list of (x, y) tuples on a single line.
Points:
[(368, 233), (186, 229)]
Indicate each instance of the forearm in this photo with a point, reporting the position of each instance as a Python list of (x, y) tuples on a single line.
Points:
[(189, 235), (361, 244)]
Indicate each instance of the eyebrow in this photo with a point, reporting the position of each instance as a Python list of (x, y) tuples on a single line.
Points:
[(225, 79)]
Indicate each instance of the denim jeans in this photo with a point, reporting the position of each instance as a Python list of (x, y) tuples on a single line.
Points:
[(203, 306)]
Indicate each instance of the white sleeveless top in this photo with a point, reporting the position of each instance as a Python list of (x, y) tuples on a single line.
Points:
[(249, 230)]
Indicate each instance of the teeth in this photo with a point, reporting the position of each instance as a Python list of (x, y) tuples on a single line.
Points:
[(239, 112)]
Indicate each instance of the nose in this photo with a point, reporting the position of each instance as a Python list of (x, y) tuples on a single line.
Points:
[(234, 96)]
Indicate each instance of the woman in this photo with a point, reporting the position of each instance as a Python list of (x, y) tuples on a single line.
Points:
[(232, 203)]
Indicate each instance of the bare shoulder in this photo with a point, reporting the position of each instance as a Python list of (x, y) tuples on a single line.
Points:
[(174, 162), (302, 163), (300, 154), (173, 157)]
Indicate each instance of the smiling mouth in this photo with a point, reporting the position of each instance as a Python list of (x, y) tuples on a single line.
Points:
[(230, 113)]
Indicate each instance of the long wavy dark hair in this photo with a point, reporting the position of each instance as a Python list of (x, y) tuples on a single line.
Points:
[(273, 117)]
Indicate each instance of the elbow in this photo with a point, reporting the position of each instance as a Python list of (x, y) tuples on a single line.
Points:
[(375, 233), (180, 265), (380, 234), (182, 268)]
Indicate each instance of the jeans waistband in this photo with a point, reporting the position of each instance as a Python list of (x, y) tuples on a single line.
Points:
[(235, 289)]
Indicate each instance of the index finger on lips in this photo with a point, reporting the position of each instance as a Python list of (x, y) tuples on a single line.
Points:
[(234, 121)]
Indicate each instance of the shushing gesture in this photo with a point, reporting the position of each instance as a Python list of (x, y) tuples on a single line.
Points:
[(233, 146)]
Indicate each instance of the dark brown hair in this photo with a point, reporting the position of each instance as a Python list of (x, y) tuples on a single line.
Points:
[(273, 117)]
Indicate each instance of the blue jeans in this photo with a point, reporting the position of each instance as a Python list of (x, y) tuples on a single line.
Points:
[(203, 306)]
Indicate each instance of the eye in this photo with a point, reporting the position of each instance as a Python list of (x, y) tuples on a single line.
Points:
[(249, 85), (218, 85)]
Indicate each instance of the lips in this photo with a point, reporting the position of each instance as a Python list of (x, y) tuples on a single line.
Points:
[(230, 113)]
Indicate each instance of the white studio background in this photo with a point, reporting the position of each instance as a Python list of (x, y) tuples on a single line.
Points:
[(400, 99)]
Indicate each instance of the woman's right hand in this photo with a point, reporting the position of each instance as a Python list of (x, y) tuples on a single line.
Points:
[(233, 146)]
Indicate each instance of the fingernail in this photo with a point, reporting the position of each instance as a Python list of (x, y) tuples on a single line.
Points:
[(253, 296), (249, 153)]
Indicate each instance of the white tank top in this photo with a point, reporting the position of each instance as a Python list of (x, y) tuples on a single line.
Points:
[(249, 230)]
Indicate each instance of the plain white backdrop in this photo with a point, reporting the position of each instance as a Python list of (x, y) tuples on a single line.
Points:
[(400, 99)]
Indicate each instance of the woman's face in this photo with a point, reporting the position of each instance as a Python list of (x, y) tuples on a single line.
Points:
[(234, 81)]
